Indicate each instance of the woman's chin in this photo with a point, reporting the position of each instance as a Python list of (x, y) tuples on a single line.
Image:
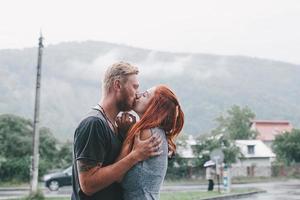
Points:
[(138, 112), (134, 109)]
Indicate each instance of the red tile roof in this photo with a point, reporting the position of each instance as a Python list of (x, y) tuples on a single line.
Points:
[(268, 129)]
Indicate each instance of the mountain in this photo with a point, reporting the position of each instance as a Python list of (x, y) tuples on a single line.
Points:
[(207, 85)]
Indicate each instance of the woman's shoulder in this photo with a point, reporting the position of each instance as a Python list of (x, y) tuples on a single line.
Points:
[(146, 133), (158, 130)]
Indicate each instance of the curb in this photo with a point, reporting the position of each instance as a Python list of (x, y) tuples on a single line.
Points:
[(14, 188), (235, 196)]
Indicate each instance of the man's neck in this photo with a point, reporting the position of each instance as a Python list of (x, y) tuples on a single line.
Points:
[(110, 108)]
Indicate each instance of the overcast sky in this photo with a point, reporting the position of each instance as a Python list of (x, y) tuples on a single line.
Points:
[(257, 28)]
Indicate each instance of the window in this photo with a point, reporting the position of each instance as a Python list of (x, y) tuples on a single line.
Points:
[(250, 149)]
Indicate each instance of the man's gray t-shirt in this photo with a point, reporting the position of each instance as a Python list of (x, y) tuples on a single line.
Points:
[(143, 181), (95, 141)]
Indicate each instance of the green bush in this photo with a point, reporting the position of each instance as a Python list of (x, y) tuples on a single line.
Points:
[(16, 149), (177, 173), (15, 168)]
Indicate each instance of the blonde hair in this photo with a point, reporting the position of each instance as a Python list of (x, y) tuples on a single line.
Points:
[(117, 71)]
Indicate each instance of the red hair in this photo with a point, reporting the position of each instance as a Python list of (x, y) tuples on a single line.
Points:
[(162, 111)]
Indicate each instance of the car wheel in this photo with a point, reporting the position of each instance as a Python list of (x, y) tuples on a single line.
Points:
[(53, 185)]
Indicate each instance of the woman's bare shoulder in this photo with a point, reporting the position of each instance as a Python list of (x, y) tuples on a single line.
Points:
[(145, 134)]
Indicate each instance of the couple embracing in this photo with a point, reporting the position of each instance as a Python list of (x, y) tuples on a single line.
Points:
[(116, 157)]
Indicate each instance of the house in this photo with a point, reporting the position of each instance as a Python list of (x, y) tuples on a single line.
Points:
[(256, 159), (268, 129), (185, 150)]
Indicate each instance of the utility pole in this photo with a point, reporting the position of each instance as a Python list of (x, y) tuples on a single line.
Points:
[(36, 135)]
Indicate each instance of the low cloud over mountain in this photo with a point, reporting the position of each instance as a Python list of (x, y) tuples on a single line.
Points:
[(206, 85)]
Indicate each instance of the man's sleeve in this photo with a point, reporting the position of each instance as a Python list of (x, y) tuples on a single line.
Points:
[(122, 135), (90, 140)]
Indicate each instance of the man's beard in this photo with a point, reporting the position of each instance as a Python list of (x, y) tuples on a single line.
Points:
[(123, 104)]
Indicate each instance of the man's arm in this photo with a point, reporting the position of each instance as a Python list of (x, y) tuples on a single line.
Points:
[(93, 177)]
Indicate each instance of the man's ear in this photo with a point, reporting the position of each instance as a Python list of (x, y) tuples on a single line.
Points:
[(117, 85)]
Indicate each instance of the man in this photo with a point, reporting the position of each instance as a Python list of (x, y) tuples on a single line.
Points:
[(97, 142), (210, 176)]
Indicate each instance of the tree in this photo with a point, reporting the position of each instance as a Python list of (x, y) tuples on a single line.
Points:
[(178, 166), (236, 124), (15, 135), (65, 155), (16, 149), (287, 146), (207, 144)]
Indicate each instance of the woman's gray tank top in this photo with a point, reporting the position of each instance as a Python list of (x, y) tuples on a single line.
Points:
[(143, 181)]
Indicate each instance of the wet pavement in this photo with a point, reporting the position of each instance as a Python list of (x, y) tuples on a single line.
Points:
[(284, 190)]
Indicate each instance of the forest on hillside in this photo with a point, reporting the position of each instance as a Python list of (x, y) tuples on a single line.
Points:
[(207, 85)]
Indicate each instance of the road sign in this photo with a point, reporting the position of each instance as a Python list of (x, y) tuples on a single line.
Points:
[(217, 155)]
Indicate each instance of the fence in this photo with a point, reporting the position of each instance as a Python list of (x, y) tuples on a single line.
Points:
[(284, 170), (278, 170)]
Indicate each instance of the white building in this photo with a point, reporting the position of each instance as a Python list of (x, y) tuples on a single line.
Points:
[(185, 150), (256, 160)]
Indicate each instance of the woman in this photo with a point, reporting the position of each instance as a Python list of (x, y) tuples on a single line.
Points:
[(161, 114)]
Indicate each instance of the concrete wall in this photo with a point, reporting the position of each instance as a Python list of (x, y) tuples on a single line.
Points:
[(251, 171), (252, 167)]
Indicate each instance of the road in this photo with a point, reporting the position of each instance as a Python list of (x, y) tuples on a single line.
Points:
[(287, 190), (280, 190)]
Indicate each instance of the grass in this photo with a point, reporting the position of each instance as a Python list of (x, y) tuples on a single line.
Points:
[(198, 195), (52, 198), (236, 180), (187, 195), (185, 182), (240, 180), (48, 198), (13, 183), (176, 195), (192, 195)]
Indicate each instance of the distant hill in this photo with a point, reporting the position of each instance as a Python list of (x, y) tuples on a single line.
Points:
[(207, 85)]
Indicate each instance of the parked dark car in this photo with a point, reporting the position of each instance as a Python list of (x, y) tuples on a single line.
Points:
[(56, 180)]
